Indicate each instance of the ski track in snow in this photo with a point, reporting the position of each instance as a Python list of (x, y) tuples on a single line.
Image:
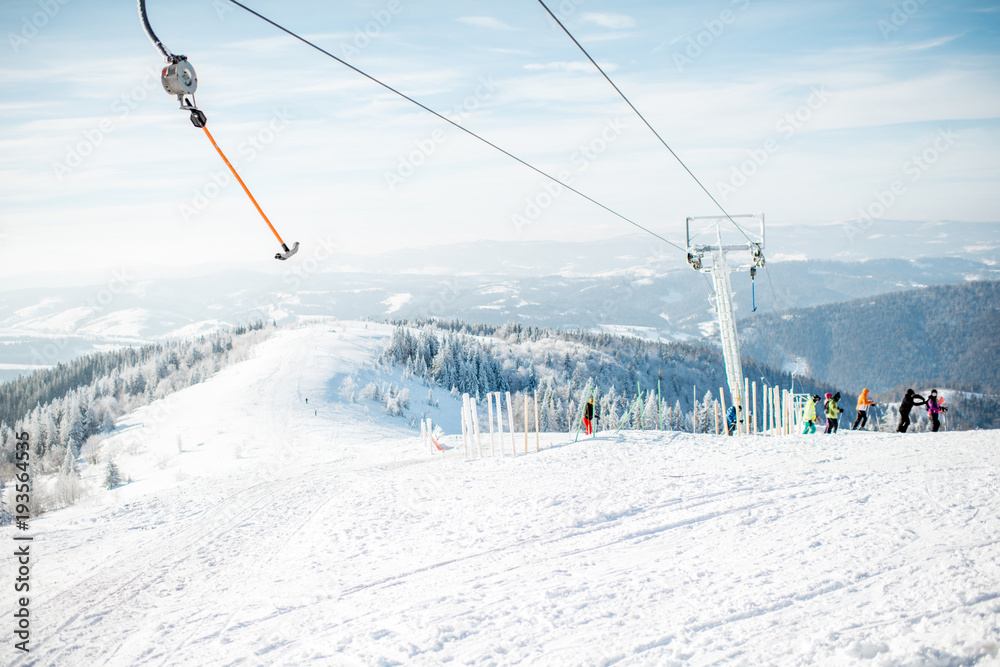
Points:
[(335, 539)]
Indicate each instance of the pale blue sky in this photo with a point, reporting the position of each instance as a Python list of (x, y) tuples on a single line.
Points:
[(808, 112)]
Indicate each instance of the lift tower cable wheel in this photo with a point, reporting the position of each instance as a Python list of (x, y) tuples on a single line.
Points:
[(180, 80)]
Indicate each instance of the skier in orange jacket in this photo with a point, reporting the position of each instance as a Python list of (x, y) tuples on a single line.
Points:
[(863, 404)]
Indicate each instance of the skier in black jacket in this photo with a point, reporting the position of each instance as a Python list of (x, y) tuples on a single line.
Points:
[(909, 400), (588, 416)]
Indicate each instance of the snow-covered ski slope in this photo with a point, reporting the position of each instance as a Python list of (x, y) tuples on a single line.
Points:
[(263, 530)]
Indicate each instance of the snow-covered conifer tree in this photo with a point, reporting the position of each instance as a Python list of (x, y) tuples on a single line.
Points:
[(112, 476)]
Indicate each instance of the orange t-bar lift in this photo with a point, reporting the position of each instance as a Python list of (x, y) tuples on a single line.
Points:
[(281, 255), (179, 78)]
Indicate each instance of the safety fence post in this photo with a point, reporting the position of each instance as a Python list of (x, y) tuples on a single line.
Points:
[(475, 424), (510, 422), (465, 424), (489, 409), (538, 437)]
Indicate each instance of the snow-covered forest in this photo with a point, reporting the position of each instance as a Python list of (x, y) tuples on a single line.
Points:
[(69, 410), (677, 385)]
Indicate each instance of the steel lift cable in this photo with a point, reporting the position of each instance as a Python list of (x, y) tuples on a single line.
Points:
[(454, 124), (179, 79), (643, 119)]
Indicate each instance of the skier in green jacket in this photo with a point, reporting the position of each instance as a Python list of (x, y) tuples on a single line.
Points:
[(832, 411), (809, 415)]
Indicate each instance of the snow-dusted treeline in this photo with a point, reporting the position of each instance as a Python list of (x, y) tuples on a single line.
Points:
[(75, 404), (636, 383)]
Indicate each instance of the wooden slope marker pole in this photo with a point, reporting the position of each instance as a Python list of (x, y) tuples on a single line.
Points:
[(538, 437), (777, 410), (770, 408), (788, 412), (525, 423), (763, 409), (776, 405), (500, 422), (489, 407), (475, 422), (510, 422), (746, 408), (784, 411), (465, 433), (716, 418), (766, 400), (754, 386)]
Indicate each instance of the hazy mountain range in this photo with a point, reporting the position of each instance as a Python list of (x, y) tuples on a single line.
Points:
[(626, 285)]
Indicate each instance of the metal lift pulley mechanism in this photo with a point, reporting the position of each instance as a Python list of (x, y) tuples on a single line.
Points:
[(180, 80)]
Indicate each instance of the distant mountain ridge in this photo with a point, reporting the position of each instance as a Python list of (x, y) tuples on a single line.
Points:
[(623, 285), (945, 336)]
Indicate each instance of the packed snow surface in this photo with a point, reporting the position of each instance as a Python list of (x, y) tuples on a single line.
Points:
[(262, 529)]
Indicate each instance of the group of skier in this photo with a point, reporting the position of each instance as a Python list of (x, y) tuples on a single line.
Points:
[(831, 408), (832, 411), (935, 406)]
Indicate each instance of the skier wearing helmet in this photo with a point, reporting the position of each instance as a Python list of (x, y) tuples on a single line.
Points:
[(934, 410), (832, 411)]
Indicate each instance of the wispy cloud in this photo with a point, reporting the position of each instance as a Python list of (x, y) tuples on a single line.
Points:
[(569, 66), (485, 22), (932, 43), (613, 21)]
